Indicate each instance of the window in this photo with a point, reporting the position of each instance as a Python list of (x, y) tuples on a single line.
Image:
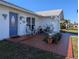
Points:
[(33, 21), (28, 21)]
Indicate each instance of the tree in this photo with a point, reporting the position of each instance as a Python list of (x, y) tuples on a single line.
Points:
[(65, 24)]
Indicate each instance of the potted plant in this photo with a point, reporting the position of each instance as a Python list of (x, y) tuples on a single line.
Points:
[(50, 39)]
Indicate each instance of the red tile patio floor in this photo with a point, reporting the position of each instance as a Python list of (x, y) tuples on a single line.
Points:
[(37, 41)]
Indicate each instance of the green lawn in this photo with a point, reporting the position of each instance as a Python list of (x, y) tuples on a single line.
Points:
[(75, 46), (70, 31), (9, 50)]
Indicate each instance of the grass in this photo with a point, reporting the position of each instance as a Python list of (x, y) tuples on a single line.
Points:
[(70, 31), (75, 46), (9, 50)]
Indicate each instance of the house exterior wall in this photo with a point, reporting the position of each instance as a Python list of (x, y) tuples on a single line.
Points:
[(53, 23), (4, 23), (39, 21), (56, 24)]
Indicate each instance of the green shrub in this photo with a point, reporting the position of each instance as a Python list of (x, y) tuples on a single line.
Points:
[(56, 38)]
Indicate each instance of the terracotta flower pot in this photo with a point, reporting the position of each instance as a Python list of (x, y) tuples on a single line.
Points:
[(49, 41)]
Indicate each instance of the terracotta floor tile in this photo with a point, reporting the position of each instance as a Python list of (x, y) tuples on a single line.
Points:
[(37, 41)]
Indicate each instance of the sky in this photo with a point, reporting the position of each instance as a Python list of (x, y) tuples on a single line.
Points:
[(69, 6)]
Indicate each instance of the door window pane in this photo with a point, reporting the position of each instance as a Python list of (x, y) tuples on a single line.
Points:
[(13, 20)]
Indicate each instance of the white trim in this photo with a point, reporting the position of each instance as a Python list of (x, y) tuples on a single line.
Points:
[(21, 9)]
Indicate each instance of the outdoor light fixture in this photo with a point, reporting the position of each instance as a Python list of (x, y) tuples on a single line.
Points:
[(4, 15), (21, 17)]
